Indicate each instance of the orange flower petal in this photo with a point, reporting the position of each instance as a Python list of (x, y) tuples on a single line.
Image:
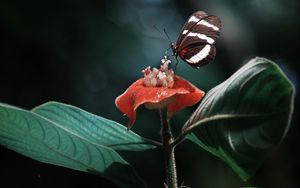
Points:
[(181, 101), (185, 94)]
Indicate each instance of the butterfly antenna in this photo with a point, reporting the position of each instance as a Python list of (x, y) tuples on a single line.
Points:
[(165, 31), (169, 39), (175, 67), (157, 29)]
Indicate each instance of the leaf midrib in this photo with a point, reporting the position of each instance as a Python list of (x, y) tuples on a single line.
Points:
[(188, 128), (63, 129), (54, 150), (144, 141)]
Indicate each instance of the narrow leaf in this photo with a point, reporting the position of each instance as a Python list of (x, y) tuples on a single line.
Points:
[(89, 126), (38, 138), (244, 118)]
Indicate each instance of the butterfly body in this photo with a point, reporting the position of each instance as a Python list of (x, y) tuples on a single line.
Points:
[(195, 44)]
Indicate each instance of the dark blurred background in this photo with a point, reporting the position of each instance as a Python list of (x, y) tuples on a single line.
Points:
[(86, 53)]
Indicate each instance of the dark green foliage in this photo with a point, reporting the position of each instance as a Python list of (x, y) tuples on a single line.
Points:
[(63, 135), (244, 118)]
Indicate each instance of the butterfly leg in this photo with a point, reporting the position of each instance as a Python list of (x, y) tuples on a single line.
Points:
[(167, 52), (175, 67)]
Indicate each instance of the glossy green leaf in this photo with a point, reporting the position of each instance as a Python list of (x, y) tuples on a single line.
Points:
[(43, 140), (89, 126), (244, 118)]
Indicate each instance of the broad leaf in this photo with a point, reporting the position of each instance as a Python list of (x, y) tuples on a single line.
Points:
[(89, 126), (38, 138), (244, 118)]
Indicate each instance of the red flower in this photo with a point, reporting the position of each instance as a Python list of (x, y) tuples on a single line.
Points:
[(158, 89)]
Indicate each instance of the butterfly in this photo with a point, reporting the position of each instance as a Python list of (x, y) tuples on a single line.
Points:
[(195, 44)]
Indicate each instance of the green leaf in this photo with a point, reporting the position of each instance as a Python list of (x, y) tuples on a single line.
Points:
[(38, 138), (89, 126), (244, 118)]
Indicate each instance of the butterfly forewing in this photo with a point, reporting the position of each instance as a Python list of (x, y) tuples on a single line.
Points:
[(198, 55), (193, 19), (206, 30), (195, 45)]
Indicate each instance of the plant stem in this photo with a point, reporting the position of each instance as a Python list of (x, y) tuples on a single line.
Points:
[(168, 151)]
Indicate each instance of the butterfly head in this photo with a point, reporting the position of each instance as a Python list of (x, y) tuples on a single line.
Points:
[(174, 48)]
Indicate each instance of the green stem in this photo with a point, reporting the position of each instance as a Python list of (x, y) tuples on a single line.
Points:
[(168, 151)]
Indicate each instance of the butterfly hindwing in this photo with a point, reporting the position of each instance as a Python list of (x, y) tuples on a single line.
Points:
[(198, 55)]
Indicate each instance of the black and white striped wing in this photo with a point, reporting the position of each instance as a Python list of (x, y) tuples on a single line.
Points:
[(196, 42), (190, 23), (198, 55)]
